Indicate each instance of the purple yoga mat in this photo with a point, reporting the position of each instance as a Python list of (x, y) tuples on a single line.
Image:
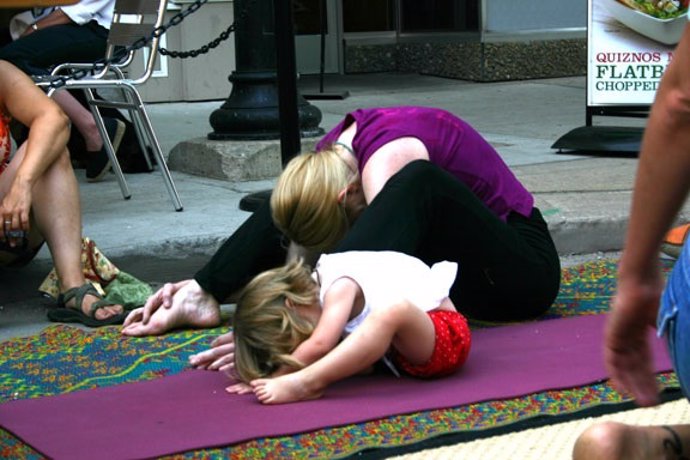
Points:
[(191, 411)]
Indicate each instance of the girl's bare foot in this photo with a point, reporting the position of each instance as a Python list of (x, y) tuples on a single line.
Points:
[(284, 389)]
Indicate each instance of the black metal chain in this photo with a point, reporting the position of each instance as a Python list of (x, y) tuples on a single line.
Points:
[(213, 43), (76, 74)]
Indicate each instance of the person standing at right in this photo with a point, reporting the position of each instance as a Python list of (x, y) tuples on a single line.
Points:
[(661, 187)]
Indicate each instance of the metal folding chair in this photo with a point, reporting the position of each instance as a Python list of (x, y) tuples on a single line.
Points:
[(132, 20)]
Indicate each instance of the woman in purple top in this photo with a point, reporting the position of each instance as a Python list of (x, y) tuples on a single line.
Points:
[(409, 179), (450, 143)]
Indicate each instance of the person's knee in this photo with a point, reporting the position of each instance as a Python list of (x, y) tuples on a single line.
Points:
[(63, 161), (599, 442), (419, 173), (420, 181)]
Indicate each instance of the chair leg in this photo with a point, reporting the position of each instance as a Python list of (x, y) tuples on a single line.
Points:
[(141, 135), (126, 194), (139, 130), (147, 127)]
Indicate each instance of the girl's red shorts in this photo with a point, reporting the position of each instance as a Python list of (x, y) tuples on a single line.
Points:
[(452, 346)]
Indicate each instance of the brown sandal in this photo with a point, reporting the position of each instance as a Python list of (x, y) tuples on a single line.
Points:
[(65, 314)]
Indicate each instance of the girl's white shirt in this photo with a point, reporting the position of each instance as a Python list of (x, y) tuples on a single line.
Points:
[(387, 277)]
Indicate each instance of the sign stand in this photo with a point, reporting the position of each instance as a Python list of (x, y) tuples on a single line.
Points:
[(614, 139), (627, 53)]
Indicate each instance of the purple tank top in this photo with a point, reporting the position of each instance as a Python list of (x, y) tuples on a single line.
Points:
[(452, 145)]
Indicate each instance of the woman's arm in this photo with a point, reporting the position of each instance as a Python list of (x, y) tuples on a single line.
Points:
[(661, 186), (48, 125), (388, 160), (48, 135), (55, 18)]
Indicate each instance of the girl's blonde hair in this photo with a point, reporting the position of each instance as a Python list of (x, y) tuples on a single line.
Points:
[(266, 329), (304, 203)]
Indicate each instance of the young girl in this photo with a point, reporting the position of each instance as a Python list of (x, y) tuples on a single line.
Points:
[(288, 323)]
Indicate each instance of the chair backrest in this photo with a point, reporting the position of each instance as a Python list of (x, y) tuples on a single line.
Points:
[(132, 20)]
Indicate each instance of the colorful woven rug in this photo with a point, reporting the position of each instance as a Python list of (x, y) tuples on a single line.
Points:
[(64, 359)]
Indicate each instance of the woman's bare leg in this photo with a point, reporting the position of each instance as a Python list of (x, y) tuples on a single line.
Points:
[(406, 327), (617, 441), (57, 211), (81, 118)]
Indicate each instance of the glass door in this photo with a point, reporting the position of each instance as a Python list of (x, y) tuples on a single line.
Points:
[(309, 21)]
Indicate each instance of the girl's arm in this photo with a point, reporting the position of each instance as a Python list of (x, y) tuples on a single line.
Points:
[(388, 160), (336, 311)]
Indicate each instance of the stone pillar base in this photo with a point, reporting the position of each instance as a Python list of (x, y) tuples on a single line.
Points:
[(230, 160)]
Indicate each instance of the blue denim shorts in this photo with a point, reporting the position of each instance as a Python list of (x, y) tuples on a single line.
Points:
[(673, 321)]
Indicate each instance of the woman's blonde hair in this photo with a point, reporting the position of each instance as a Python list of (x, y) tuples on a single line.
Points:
[(266, 329), (304, 203)]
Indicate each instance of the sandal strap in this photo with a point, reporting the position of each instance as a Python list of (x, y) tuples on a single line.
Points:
[(78, 294)]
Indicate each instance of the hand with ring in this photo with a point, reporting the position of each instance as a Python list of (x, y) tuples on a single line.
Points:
[(15, 208), (13, 237)]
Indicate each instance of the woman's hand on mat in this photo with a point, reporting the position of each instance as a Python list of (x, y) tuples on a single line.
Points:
[(185, 304), (239, 388), (627, 350), (220, 357)]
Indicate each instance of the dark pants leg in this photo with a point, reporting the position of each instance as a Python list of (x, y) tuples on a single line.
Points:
[(37, 52), (507, 270), (257, 245)]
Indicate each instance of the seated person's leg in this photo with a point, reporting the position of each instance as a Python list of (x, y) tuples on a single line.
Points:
[(36, 53), (257, 245), (57, 213)]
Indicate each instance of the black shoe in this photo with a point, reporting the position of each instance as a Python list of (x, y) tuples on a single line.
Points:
[(98, 162)]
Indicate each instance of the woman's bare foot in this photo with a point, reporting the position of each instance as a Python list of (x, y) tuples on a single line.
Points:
[(191, 307), (284, 389), (618, 441)]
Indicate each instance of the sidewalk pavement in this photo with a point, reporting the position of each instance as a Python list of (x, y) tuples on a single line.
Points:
[(585, 199)]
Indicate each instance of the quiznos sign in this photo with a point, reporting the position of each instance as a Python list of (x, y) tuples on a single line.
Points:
[(630, 44)]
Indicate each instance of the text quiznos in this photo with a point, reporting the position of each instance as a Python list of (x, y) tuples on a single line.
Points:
[(622, 71)]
